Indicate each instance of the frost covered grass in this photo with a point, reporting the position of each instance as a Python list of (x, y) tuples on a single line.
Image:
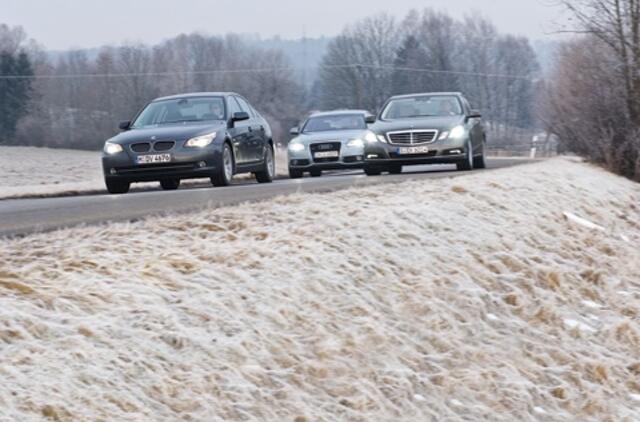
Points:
[(30, 171), (27, 172), (475, 298)]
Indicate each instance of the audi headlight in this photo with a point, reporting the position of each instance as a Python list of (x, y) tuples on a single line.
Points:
[(355, 143), (296, 147), (201, 141), (112, 149), (457, 132)]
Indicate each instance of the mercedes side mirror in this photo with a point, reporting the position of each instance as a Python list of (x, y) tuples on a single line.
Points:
[(475, 114), (126, 125), (295, 131), (370, 119)]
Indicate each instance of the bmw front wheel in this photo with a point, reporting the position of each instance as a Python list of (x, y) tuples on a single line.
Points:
[(224, 172)]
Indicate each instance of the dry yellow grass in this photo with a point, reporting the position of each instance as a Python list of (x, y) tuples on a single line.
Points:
[(403, 302)]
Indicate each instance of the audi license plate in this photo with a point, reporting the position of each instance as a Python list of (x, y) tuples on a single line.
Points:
[(154, 159), (327, 154), (413, 150)]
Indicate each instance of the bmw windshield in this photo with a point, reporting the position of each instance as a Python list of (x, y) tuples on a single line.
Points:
[(422, 106), (185, 110), (335, 123)]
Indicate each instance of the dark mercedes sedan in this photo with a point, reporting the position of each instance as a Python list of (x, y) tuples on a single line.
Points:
[(431, 128), (203, 135)]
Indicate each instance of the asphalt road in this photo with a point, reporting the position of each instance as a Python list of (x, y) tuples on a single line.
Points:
[(25, 216)]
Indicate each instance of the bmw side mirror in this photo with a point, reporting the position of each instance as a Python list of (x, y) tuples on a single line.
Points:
[(240, 116), (370, 120), (295, 131), (126, 125)]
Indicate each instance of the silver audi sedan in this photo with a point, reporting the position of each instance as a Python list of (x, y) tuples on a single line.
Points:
[(333, 140)]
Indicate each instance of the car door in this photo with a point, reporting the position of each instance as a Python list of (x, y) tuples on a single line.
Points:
[(239, 133), (475, 128), (256, 132)]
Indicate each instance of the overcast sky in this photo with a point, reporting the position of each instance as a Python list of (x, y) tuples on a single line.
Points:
[(62, 24)]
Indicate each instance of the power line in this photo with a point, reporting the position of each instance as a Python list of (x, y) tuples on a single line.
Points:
[(266, 70)]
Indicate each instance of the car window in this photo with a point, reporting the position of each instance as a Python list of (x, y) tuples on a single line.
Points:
[(335, 122), (244, 106), (422, 106), (182, 110), (234, 107)]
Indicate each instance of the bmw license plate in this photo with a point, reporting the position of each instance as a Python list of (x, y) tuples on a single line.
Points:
[(413, 150), (154, 159), (327, 154)]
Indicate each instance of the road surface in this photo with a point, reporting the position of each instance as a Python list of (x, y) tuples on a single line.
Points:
[(25, 216)]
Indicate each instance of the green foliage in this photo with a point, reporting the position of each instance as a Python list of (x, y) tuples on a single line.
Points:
[(15, 91)]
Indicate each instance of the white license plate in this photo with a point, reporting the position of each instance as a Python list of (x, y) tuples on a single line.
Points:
[(327, 154), (413, 150), (154, 159)]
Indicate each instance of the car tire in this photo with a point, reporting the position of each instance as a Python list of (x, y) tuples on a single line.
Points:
[(467, 163), (224, 173), (479, 162), (295, 174), (170, 184), (372, 171), (316, 173), (268, 171), (395, 169), (117, 187)]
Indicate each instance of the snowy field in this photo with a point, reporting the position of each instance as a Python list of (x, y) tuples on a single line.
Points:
[(35, 172), (511, 295)]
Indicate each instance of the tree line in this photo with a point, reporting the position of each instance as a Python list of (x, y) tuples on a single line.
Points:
[(430, 51), (76, 100), (592, 100)]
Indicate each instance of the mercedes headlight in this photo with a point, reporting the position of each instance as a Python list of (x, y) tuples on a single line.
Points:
[(112, 149), (201, 141), (457, 132), (355, 143)]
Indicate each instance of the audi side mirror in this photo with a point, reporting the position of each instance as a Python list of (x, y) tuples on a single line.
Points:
[(475, 114), (126, 125)]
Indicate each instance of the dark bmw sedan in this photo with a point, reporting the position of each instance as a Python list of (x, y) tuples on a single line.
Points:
[(430, 128), (203, 135)]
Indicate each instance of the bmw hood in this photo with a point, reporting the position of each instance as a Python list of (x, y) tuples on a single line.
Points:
[(438, 123), (332, 136), (167, 133)]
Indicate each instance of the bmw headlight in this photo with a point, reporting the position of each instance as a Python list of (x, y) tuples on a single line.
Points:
[(201, 141), (296, 147), (355, 143), (112, 149), (457, 132)]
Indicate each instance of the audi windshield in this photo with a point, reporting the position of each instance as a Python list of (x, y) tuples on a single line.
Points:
[(335, 123)]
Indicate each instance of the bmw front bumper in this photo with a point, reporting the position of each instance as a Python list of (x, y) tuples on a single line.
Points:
[(186, 163)]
